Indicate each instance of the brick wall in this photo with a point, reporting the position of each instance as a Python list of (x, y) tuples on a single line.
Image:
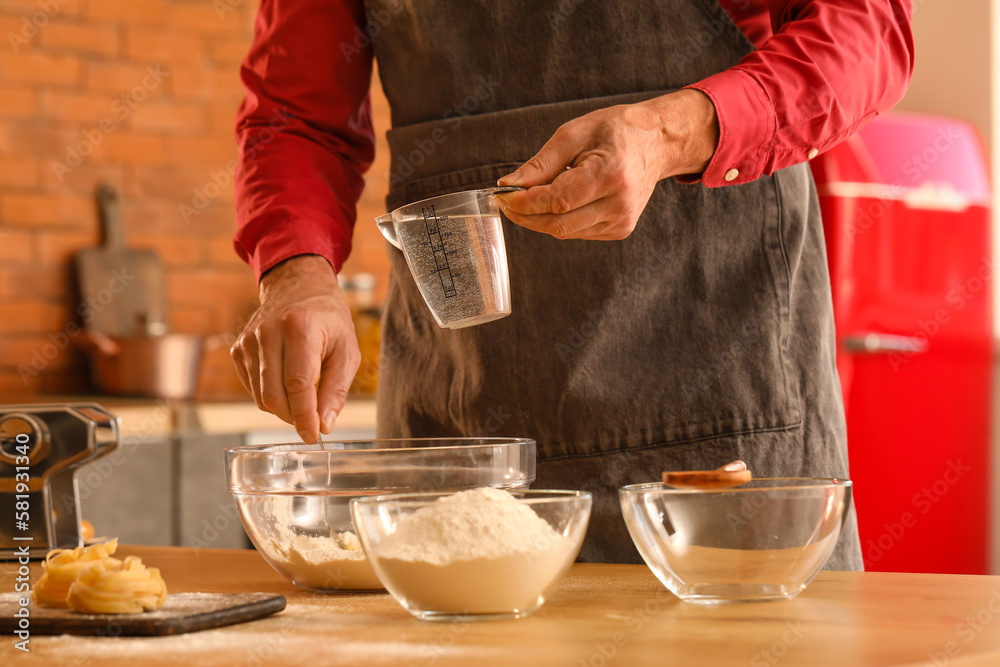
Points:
[(139, 93)]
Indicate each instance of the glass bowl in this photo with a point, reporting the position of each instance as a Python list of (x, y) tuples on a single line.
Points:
[(293, 498), (764, 540), (458, 557)]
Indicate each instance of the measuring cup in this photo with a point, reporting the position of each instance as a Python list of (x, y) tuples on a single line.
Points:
[(454, 247)]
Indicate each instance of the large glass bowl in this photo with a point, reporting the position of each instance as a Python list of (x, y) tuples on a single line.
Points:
[(468, 565), (293, 498), (764, 540)]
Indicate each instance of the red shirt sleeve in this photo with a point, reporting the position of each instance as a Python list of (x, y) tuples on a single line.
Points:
[(304, 131), (822, 69)]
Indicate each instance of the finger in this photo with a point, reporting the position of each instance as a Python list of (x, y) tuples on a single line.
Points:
[(300, 373), (251, 356), (557, 154), (582, 223), (606, 236), (339, 369), (239, 361), (572, 189), (270, 356)]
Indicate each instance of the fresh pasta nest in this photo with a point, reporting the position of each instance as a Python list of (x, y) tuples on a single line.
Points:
[(88, 579), (60, 569), (111, 586)]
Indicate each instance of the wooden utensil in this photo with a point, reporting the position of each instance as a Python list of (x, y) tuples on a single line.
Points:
[(122, 289), (729, 475)]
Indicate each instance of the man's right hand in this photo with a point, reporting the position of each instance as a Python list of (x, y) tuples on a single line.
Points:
[(300, 338)]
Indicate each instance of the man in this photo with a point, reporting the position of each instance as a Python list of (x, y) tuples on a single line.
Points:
[(699, 332)]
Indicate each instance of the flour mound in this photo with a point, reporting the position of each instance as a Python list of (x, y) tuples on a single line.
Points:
[(480, 523)]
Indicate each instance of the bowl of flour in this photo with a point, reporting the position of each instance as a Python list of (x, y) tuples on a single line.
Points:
[(293, 499), (477, 554)]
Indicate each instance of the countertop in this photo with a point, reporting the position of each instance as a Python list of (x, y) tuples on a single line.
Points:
[(150, 417), (600, 615)]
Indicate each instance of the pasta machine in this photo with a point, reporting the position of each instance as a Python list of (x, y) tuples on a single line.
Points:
[(41, 449)]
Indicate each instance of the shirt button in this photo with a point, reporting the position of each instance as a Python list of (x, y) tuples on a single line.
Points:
[(812, 153), (732, 174)]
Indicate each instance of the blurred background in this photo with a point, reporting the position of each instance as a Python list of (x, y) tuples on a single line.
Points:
[(162, 76), (141, 95)]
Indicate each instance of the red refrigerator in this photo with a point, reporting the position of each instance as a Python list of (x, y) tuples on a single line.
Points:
[(906, 210)]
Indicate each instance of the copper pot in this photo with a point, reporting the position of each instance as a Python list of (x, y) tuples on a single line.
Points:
[(164, 366)]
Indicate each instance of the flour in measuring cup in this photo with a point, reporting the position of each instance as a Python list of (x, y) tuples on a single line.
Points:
[(459, 263)]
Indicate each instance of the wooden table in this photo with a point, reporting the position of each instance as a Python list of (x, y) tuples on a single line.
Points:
[(600, 615)]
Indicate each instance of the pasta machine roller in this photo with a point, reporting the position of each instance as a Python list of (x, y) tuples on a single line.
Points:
[(41, 448)]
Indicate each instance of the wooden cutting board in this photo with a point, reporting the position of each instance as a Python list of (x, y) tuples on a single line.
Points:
[(123, 290), (183, 612)]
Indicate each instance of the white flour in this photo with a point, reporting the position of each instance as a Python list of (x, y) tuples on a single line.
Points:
[(335, 562), (326, 562), (300, 537), (474, 552)]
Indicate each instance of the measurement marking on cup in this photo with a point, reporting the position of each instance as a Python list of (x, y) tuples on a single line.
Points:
[(441, 263)]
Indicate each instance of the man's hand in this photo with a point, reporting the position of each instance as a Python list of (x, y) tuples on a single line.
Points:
[(593, 178), (301, 335)]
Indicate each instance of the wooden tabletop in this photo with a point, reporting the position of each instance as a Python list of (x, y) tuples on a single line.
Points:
[(600, 615)]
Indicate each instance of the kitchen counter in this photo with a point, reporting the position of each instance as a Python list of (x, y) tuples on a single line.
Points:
[(358, 414), (600, 615), (151, 417)]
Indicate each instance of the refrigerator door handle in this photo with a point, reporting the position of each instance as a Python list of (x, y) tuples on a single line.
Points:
[(882, 343)]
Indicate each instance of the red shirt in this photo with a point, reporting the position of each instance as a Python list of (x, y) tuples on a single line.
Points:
[(822, 69)]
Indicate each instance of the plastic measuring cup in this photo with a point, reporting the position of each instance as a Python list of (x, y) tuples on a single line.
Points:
[(454, 247)]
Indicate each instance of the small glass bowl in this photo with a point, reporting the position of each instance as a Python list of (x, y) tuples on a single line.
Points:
[(765, 540), (293, 498), (509, 585)]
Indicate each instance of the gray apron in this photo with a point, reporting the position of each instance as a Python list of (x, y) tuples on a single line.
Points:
[(705, 336)]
